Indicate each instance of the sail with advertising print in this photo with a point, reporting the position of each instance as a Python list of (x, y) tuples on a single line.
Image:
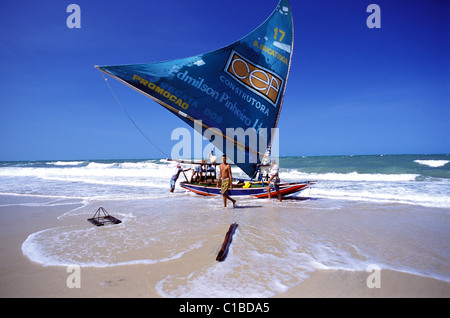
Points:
[(232, 95), (237, 87)]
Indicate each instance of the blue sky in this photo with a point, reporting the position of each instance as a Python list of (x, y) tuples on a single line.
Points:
[(351, 89)]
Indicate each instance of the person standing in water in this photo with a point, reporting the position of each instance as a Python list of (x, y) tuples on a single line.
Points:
[(274, 181), (227, 181), (174, 178)]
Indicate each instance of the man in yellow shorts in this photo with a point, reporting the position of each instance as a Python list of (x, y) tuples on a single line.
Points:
[(227, 181)]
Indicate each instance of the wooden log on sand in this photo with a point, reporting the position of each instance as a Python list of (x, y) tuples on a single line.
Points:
[(226, 243)]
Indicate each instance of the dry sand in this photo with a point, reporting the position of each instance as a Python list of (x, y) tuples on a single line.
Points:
[(19, 277)]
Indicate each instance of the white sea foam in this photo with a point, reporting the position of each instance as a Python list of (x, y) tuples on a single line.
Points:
[(292, 174), (383, 197), (250, 272), (65, 163), (112, 180), (433, 163), (93, 180), (63, 246)]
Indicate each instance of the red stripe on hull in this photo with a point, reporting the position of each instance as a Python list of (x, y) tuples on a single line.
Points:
[(290, 189), (285, 191), (199, 192)]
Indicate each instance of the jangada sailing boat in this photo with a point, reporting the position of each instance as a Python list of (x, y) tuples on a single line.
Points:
[(232, 96)]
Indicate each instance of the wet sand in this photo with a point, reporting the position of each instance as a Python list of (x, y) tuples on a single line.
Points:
[(20, 277)]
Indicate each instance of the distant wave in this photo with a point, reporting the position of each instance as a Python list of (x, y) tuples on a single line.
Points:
[(96, 165), (352, 176), (432, 163), (65, 163)]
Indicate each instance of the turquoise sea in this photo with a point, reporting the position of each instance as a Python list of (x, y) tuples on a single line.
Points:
[(410, 179)]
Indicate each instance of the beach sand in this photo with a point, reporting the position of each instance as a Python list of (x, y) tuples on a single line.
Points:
[(20, 277)]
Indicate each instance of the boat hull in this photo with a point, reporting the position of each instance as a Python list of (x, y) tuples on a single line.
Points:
[(256, 192)]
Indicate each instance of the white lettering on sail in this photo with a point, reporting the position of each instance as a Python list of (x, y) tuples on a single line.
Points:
[(245, 96), (199, 84)]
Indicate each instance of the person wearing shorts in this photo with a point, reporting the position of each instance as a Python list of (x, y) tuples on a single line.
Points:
[(227, 181), (274, 181), (174, 178)]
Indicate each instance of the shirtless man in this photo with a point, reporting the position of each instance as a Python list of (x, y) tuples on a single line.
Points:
[(227, 181)]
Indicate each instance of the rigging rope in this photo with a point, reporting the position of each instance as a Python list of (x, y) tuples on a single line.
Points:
[(131, 119)]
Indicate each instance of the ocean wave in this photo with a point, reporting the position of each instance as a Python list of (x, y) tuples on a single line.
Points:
[(65, 163), (115, 179), (352, 176), (97, 165), (93, 169), (89, 247), (141, 165), (379, 195), (432, 163), (35, 251)]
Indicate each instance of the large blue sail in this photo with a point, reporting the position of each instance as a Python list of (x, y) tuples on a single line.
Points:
[(235, 89)]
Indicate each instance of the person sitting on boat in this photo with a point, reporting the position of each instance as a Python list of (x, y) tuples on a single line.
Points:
[(227, 181), (174, 178), (274, 181)]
